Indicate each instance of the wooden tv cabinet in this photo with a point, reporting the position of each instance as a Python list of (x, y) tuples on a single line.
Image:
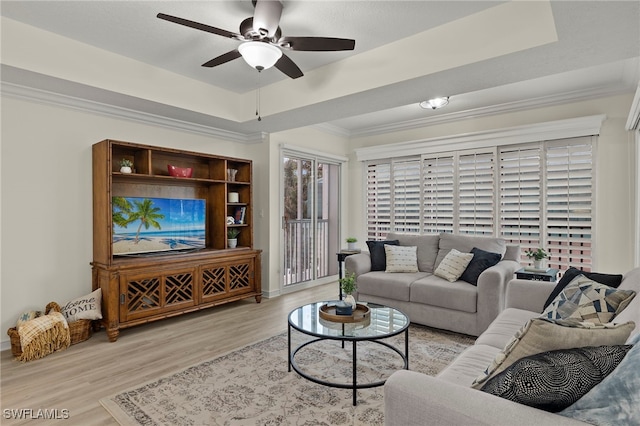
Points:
[(141, 288)]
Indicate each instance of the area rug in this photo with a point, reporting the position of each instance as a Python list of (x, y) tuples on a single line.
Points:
[(251, 386)]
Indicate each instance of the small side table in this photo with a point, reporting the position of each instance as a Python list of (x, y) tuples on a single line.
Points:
[(342, 255), (548, 275)]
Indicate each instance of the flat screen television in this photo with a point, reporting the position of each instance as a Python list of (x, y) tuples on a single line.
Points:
[(150, 225)]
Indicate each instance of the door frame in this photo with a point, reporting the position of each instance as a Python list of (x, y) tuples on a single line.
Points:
[(317, 156)]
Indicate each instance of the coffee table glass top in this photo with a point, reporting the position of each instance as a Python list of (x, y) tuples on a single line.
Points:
[(383, 321)]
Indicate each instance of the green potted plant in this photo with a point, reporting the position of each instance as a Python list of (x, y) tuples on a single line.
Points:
[(351, 243), (537, 255), (126, 165), (348, 286), (232, 237)]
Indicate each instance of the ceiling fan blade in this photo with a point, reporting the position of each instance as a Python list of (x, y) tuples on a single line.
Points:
[(199, 26), (287, 66), (317, 44), (266, 16), (229, 56)]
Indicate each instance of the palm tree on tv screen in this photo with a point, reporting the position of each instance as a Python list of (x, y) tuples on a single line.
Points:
[(121, 212), (147, 214)]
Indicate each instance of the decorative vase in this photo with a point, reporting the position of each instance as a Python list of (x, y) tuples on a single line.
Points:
[(233, 197), (351, 300), (232, 242), (125, 169), (351, 246)]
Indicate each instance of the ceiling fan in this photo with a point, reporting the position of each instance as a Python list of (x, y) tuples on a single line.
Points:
[(263, 42)]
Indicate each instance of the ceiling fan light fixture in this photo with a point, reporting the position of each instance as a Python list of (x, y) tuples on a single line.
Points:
[(259, 55), (435, 103)]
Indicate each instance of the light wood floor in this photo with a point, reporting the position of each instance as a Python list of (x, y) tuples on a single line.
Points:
[(75, 379)]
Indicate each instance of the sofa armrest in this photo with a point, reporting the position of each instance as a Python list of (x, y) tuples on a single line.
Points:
[(415, 399), (528, 294), (492, 285), (357, 263)]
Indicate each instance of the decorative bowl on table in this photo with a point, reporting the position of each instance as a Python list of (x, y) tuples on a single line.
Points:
[(184, 172)]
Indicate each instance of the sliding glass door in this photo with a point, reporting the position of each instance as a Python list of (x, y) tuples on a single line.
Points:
[(310, 207)]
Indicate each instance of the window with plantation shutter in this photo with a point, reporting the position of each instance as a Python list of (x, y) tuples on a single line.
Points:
[(536, 194), (406, 196), (520, 196), (438, 175), (378, 200), (569, 201), (475, 193)]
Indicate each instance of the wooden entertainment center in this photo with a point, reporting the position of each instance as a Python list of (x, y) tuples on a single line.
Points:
[(140, 288)]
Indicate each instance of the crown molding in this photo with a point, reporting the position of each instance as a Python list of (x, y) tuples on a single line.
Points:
[(633, 122), (332, 129), (57, 99), (545, 101), (569, 128)]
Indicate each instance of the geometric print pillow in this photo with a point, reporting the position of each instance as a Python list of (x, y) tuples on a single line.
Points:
[(588, 301)]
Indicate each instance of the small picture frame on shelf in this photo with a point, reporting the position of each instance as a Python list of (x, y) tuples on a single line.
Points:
[(239, 215)]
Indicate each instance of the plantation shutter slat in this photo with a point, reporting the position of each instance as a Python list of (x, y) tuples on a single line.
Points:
[(476, 193), (406, 188)]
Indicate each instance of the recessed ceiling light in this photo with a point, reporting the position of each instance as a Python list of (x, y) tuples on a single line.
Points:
[(435, 103)]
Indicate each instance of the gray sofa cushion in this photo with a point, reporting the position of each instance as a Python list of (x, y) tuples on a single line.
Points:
[(464, 243), (434, 291), (464, 370), (502, 329), (388, 285), (427, 248)]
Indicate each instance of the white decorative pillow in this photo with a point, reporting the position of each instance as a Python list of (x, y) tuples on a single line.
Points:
[(85, 307), (27, 316), (401, 258), (453, 265)]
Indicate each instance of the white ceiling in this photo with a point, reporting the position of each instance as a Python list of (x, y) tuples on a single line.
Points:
[(596, 54)]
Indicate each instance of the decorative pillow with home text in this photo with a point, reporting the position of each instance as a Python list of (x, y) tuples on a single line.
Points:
[(85, 307)]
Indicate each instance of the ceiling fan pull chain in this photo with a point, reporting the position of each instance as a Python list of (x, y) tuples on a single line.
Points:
[(258, 98)]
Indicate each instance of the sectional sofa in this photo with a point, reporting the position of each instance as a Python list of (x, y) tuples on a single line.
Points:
[(462, 306), (412, 398)]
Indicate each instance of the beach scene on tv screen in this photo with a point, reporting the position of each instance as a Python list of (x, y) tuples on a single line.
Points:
[(147, 225)]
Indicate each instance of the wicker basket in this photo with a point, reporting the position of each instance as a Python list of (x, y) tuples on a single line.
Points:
[(79, 331)]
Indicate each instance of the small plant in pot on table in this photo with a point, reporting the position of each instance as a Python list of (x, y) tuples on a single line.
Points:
[(351, 243), (126, 165), (537, 255), (348, 286)]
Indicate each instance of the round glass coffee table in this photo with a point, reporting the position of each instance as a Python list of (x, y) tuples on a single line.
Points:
[(382, 322)]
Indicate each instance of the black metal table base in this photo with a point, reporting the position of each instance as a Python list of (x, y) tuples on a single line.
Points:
[(354, 385)]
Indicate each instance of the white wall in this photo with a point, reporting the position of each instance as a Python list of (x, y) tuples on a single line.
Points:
[(46, 228), (615, 170)]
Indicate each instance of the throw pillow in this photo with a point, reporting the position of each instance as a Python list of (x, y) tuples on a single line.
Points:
[(401, 258), (453, 265), (606, 279), (554, 380), (85, 307), (481, 260), (586, 300), (615, 400), (541, 335), (377, 253)]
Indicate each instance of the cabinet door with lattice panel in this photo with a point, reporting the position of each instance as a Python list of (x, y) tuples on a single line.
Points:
[(152, 293), (221, 280)]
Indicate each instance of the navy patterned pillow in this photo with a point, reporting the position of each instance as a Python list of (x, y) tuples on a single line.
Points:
[(554, 380)]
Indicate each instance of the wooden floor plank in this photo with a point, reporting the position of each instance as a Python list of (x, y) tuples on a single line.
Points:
[(77, 378)]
